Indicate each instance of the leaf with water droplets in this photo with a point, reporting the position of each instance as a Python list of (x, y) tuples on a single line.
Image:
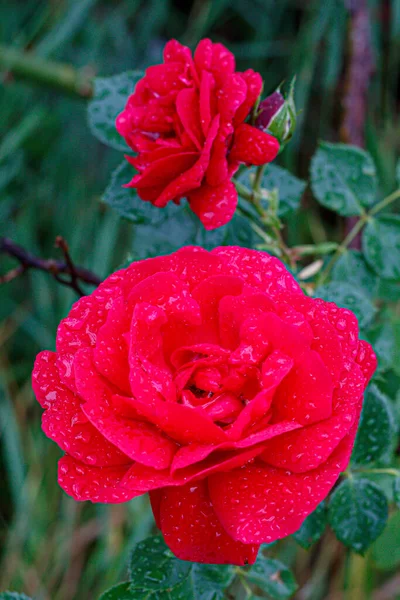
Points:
[(154, 567), (358, 511), (343, 178), (273, 577), (126, 201), (110, 96), (376, 428), (313, 527), (351, 268), (347, 296), (123, 591), (209, 582), (381, 245)]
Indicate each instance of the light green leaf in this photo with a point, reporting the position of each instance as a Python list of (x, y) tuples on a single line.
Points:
[(358, 512), (351, 268), (110, 96), (313, 527), (385, 551), (343, 178), (13, 596), (382, 339), (376, 428), (348, 296), (381, 245), (123, 591), (396, 490), (273, 577)]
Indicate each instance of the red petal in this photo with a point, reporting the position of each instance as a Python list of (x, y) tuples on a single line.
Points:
[(231, 96), (366, 359), (215, 206), (208, 107), (137, 440), (254, 86), (203, 55), (188, 107), (259, 270), (98, 484), (193, 532), (252, 146), (174, 51), (164, 170), (308, 448), (166, 77), (258, 504), (306, 393), (208, 295), (64, 422)]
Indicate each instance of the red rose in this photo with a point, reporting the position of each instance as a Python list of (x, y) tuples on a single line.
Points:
[(210, 380), (185, 120)]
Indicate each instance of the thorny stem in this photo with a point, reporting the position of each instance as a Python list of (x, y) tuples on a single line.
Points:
[(66, 273), (26, 65), (362, 221)]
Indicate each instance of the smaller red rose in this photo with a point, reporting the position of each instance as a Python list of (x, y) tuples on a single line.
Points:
[(186, 121)]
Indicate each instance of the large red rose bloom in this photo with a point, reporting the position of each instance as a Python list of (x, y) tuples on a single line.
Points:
[(211, 381), (185, 120)]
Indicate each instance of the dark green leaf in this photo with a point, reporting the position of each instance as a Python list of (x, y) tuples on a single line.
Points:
[(110, 96), (382, 339), (239, 232), (343, 178), (210, 581), (381, 245), (313, 527), (169, 235), (290, 188), (9, 168), (396, 490), (385, 551), (348, 296), (123, 591), (13, 596), (358, 512), (153, 566), (376, 428), (126, 201), (351, 268), (273, 577)]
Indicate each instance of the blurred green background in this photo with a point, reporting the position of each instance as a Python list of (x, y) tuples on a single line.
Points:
[(52, 175)]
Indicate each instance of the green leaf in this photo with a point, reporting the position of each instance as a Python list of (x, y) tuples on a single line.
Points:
[(351, 268), (153, 566), (348, 296), (273, 577), (239, 232), (358, 512), (123, 591), (343, 178), (209, 582), (382, 339), (290, 188), (385, 551), (126, 201), (313, 527), (396, 490), (376, 428), (110, 96), (13, 596), (381, 245)]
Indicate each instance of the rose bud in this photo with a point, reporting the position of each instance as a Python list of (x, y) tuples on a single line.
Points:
[(277, 115)]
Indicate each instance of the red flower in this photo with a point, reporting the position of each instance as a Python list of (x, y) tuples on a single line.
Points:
[(210, 380), (185, 120)]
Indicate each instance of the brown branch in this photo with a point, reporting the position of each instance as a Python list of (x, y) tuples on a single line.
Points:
[(66, 273), (359, 71)]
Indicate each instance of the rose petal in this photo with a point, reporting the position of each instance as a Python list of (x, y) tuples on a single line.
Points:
[(193, 532), (248, 501), (215, 206), (97, 484), (252, 146)]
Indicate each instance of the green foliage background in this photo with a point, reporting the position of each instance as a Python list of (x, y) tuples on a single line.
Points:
[(52, 175)]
